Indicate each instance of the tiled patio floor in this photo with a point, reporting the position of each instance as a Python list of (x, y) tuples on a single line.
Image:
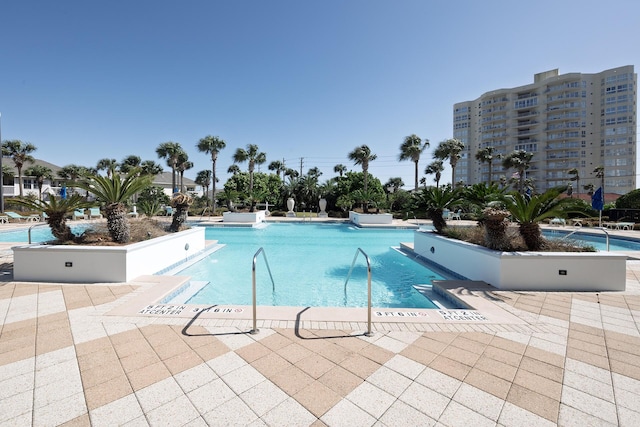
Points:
[(574, 359)]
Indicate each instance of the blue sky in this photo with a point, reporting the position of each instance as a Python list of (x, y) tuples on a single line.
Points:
[(85, 80)]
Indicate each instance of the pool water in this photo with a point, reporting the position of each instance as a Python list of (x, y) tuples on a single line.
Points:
[(309, 264), (599, 242), (40, 233)]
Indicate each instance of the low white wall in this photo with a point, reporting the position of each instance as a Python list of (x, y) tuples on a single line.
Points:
[(364, 219), (100, 264), (541, 271), (249, 217)]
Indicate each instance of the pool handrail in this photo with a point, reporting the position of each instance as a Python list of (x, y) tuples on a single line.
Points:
[(366, 257), (255, 329), (595, 228), (34, 225)]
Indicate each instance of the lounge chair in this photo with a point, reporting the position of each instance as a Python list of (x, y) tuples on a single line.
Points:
[(456, 215), (94, 213), (168, 210), (79, 214), (19, 217)]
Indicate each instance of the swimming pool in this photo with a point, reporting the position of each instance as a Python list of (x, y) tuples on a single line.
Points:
[(310, 263), (598, 241), (39, 233)]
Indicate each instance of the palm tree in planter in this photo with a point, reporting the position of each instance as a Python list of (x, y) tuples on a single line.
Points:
[(180, 202), (436, 201), (529, 211), (57, 211), (114, 193)]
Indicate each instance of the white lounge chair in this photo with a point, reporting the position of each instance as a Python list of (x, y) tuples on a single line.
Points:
[(94, 213)]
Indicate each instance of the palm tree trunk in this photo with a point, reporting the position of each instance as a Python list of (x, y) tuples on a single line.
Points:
[(117, 222), (530, 232), (415, 178), (59, 228), (213, 183)]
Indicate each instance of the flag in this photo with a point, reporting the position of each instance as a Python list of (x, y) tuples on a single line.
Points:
[(597, 201)]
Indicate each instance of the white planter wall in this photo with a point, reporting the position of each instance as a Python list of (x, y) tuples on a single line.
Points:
[(539, 271), (364, 219), (245, 217), (104, 264)]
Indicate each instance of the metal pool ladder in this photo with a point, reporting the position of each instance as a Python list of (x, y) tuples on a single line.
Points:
[(366, 257), (255, 329)]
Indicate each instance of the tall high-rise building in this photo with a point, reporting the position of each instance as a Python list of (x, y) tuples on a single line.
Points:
[(569, 121)]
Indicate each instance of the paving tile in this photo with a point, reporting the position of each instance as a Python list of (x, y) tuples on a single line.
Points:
[(390, 381), (182, 362), (628, 418), (546, 370), (242, 379), (291, 379), (317, 398), (589, 404), (360, 366), (289, 412), (107, 392), (340, 380), (158, 394), (625, 369), (493, 367), (503, 355), (515, 416), (457, 415), (315, 365), (263, 397), (375, 353), (590, 385), (372, 399), (15, 406), (402, 414), (425, 400), (176, 412), (293, 352), (148, 375), (16, 385), (271, 364), (345, 413), (485, 404), (233, 412), (538, 384), (622, 382), (210, 395), (253, 352), (405, 366), (539, 404), (195, 377), (488, 383), (439, 382)]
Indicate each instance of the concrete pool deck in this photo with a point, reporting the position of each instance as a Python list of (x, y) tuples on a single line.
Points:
[(76, 355)]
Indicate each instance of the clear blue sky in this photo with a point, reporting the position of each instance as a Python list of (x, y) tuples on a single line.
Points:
[(85, 80)]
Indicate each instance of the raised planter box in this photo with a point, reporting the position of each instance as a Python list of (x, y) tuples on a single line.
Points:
[(534, 271), (104, 264), (366, 219), (244, 217)]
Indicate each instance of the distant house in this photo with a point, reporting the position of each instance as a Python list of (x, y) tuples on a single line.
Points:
[(11, 187)]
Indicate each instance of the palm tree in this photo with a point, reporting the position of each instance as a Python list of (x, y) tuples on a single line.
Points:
[(599, 171), (314, 172), (71, 173), (435, 168), (149, 167), (278, 167), (183, 165), (57, 211), (212, 145), (233, 169), (486, 155), (411, 149), (529, 211), (171, 152), (253, 157), (106, 165), (362, 156), (436, 201), (521, 161), (40, 173), (450, 149), (203, 178), (130, 162), (340, 169), (575, 177), (20, 153), (114, 192)]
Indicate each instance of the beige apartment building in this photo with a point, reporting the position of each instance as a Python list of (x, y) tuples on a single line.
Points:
[(568, 121)]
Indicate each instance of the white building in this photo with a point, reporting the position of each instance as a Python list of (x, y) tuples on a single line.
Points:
[(568, 121)]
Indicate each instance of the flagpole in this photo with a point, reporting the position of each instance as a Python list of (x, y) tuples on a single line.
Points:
[(1, 171)]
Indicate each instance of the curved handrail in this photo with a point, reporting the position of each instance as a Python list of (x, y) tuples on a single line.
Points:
[(253, 276), (366, 257), (594, 228), (34, 225)]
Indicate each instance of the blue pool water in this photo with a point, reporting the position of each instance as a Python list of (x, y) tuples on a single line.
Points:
[(310, 263), (40, 233), (598, 241)]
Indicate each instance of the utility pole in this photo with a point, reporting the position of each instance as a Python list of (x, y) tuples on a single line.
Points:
[(301, 159)]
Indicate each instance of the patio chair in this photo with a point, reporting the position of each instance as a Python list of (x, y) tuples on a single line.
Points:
[(168, 210), (446, 214), (13, 215), (79, 214), (456, 215), (94, 213)]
